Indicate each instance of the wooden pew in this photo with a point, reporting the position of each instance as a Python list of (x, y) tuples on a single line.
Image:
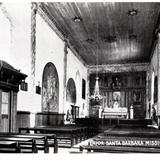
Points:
[(43, 141), (62, 133), (25, 144), (103, 143), (82, 131), (79, 133), (9, 147)]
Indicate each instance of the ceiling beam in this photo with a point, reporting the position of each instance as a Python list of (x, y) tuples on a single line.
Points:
[(117, 68)]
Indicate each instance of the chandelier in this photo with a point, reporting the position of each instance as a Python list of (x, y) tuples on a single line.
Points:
[(96, 97)]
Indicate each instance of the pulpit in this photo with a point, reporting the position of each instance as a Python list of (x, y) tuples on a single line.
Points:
[(10, 79)]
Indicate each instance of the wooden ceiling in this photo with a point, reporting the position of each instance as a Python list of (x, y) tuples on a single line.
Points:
[(107, 34)]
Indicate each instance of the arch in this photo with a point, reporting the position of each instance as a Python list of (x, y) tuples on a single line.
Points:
[(71, 91), (50, 88)]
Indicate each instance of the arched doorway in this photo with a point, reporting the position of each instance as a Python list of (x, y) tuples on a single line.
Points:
[(71, 98), (71, 91), (50, 89)]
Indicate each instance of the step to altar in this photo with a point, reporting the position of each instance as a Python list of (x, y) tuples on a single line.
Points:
[(125, 139)]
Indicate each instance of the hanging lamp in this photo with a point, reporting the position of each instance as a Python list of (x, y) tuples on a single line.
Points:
[(96, 97)]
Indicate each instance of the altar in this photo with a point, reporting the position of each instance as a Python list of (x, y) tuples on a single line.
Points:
[(121, 112)]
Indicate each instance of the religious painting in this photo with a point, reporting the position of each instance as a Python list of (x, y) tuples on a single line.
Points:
[(137, 97), (71, 91), (116, 99), (50, 89), (116, 83)]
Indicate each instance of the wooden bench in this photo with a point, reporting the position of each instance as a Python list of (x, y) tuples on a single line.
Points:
[(41, 140), (9, 147), (103, 143), (62, 133), (27, 145), (82, 131)]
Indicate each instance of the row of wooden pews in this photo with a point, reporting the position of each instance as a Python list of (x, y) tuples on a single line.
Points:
[(27, 143), (42, 138), (66, 135), (125, 139)]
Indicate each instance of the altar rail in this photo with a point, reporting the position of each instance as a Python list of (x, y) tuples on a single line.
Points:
[(100, 122)]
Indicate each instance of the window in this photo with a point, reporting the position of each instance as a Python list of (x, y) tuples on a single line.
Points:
[(83, 89), (155, 89)]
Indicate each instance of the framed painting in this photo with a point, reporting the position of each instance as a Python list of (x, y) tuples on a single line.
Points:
[(137, 97)]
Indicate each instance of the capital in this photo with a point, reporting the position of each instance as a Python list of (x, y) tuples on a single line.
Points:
[(34, 7)]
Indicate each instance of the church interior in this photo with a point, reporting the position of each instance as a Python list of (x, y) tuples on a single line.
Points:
[(80, 76)]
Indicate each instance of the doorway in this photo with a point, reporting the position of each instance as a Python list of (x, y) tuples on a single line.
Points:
[(5, 116)]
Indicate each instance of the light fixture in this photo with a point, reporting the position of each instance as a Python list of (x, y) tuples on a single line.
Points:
[(133, 12), (96, 98), (24, 86), (77, 19), (38, 88)]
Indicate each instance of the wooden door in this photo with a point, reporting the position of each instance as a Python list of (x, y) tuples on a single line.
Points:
[(139, 103), (4, 111)]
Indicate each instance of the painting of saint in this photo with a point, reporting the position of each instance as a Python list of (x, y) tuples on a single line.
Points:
[(50, 89)]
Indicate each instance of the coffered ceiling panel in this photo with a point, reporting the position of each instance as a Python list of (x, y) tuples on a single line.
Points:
[(107, 32)]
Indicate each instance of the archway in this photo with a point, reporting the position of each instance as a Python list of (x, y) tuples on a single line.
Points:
[(71, 91), (50, 89)]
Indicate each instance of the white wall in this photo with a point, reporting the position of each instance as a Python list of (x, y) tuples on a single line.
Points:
[(49, 48), (17, 42), (16, 26), (5, 42)]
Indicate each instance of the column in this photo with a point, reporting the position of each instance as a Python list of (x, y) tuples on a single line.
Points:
[(65, 73), (32, 60), (88, 91), (33, 42), (158, 75), (147, 96)]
